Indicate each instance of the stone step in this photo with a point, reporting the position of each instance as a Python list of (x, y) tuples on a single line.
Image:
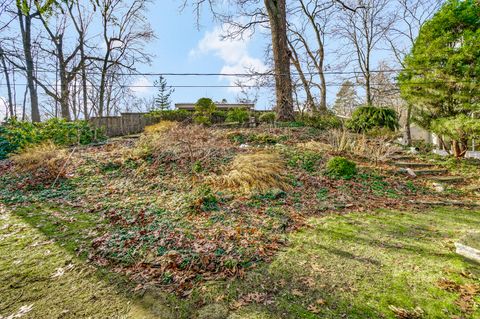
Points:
[(412, 164), (446, 179), (404, 157), (422, 172)]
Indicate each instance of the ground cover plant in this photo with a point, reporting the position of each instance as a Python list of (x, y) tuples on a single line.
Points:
[(186, 208)]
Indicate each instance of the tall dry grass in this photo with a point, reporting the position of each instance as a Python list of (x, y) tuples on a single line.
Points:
[(251, 173), (45, 160), (378, 149)]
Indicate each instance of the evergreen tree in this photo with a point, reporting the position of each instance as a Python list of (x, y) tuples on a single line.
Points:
[(162, 99), (347, 100), (441, 79)]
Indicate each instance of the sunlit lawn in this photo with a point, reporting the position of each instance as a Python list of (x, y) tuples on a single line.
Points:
[(377, 265)]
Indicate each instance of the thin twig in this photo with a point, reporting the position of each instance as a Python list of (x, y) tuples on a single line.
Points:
[(63, 167)]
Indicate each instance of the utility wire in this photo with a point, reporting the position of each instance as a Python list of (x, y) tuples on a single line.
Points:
[(254, 74), (272, 85)]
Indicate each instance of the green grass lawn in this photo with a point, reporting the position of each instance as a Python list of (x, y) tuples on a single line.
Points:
[(378, 265), (41, 278)]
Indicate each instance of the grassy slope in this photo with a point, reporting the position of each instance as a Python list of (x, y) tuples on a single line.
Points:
[(358, 266), (41, 274)]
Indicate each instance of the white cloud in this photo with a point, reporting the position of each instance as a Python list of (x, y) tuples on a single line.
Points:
[(142, 87), (233, 52)]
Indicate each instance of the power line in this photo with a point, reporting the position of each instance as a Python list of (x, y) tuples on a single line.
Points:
[(253, 74), (272, 85)]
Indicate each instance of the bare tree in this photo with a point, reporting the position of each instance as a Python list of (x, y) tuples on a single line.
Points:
[(25, 17), (313, 17), (124, 33), (365, 29), (346, 100), (271, 14), (81, 20), (10, 103), (297, 63), (67, 64)]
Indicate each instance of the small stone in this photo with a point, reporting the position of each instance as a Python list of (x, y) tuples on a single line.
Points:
[(438, 187)]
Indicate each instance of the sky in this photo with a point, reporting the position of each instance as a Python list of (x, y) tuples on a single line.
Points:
[(182, 47)]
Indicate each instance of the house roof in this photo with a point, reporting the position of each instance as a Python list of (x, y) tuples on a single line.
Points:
[(221, 106)]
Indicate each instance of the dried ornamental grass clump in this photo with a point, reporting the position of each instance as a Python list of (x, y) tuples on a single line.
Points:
[(44, 160), (250, 173), (160, 127)]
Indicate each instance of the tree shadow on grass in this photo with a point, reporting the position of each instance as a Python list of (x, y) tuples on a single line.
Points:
[(72, 231)]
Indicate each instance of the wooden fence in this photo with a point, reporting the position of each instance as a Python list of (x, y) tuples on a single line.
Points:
[(125, 124)]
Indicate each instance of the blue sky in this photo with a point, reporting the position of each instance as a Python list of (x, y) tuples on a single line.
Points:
[(181, 47)]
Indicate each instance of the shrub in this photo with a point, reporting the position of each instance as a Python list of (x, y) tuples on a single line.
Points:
[(322, 121), (62, 132), (264, 138), (218, 117), (377, 150), (366, 118), (340, 167), (204, 109), (172, 115), (237, 137), (45, 160), (460, 129), (383, 133), (250, 173), (261, 138), (16, 135), (238, 115), (267, 117)]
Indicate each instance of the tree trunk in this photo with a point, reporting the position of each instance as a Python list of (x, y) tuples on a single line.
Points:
[(7, 80), (103, 83), (459, 149), (310, 102), (24, 105), (323, 94), (408, 132), (84, 83), (368, 89), (281, 55), (64, 97), (25, 29)]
